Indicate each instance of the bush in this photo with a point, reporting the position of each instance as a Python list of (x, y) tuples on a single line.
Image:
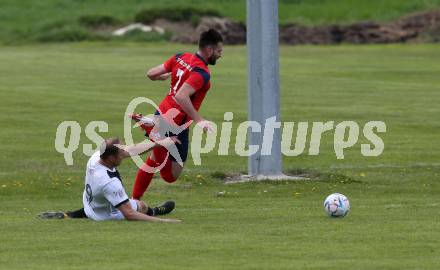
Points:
[(192, 15), (95, 21)]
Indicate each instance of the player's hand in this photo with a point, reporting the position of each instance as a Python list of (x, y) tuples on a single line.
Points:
[(206, 125), (169, 220)]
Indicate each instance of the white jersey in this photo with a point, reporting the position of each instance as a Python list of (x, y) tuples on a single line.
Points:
[(103, 191)]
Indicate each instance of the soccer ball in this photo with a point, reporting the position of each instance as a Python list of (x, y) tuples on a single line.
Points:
[(336, 205)]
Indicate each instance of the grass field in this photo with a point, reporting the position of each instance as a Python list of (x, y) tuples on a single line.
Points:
[(29, 21), (394, 223)]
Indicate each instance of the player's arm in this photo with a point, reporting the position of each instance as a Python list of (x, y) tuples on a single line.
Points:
[(158, 73), (115, 194), (183, 98), (140, 148), (130, 214)]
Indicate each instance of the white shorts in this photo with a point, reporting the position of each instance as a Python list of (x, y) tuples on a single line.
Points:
[(118, 214)]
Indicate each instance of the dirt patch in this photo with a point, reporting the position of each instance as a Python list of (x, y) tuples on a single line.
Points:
[(185, 32), (403, 30), (180, 31), (418, 27), (232, 32)]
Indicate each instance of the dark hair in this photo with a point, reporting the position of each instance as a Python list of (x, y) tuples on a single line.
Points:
[(108, 148), (210, 38)]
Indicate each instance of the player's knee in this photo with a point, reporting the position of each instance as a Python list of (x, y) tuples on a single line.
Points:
[(168, 176), (171, 173)]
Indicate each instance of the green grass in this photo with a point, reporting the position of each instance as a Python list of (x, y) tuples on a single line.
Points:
[(394, 220), (30, 21)]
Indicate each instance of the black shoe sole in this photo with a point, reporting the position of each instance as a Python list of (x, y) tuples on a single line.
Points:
[(52, 215)]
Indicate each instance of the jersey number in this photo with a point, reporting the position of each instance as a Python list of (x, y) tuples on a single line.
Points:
[(179, 75)]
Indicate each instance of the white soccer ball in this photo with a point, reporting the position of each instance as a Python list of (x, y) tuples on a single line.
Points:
[(336, 205)]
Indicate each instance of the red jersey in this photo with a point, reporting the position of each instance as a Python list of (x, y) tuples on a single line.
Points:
[(191, 69)]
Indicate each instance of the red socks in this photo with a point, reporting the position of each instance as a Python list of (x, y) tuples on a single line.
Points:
[(143, 179)]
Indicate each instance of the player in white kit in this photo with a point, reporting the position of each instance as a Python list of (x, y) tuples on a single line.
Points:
[(104, 197)]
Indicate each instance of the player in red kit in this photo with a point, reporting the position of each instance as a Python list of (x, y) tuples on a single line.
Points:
[(190, 82)]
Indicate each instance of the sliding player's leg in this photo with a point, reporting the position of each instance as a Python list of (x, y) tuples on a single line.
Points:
[(79, 213), (140, 206)]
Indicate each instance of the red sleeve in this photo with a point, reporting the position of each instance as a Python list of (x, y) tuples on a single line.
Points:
[(198, 78), (195, 80), (169, 63)]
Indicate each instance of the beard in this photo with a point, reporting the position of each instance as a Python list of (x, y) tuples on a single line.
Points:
[(212, 60)]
